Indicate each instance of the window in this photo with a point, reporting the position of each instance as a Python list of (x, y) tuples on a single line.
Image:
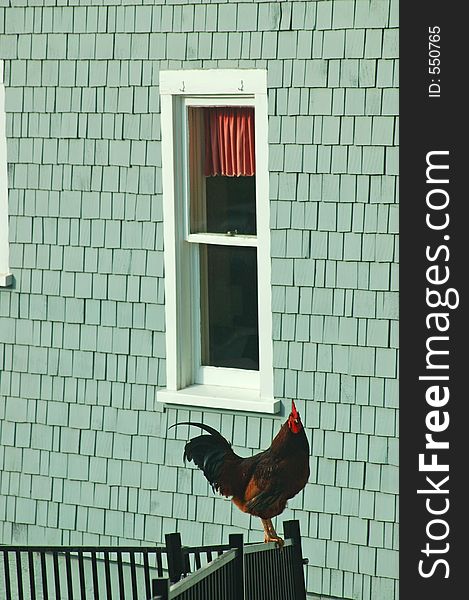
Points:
[(217, 240), (5, 277)]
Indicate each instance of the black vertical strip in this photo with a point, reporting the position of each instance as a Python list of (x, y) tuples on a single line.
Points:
[(68, 569), (433, 300), (120, 573), (107, 572), (81, 573), (32, 580), (6, 566), (94, 570), (56, 576), (159, 563), (45, 589), (19, 575), (133, 576), (146, 570)]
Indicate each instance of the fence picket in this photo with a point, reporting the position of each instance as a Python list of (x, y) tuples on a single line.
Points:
[(19, 575), (68, 568), (94, 568), (81, 573), (55, 557), (107, 572), (45, 589), (32, 583), (133, 576), (6, 566), (146, 567), (120, 571)]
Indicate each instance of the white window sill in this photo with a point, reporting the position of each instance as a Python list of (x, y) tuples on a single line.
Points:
[(216, 396), (6, 279)]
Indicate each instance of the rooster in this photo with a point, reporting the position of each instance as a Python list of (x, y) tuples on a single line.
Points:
[(261, 484)]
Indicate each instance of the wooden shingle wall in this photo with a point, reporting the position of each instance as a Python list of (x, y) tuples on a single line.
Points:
[(84, 453)]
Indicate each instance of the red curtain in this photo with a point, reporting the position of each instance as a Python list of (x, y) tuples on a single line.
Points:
[(229, 141)]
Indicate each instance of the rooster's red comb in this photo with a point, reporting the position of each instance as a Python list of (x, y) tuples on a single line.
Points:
[(294, 412)]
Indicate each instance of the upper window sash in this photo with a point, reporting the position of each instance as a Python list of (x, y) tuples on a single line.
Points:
[(207, 237)]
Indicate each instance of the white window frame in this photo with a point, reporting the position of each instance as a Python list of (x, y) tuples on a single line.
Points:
[(211, 387), (205, 374), (6, 278)]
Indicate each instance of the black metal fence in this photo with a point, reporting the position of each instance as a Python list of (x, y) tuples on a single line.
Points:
[(232, 571), (80, 572), (240, 572)]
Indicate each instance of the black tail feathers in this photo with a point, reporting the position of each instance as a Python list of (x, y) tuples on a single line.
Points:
[(208, 452)]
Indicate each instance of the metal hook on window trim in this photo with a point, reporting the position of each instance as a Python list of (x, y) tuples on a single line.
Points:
[(241, 88), (182, 88)]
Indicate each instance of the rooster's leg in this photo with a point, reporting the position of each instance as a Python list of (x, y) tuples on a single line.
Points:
[(270, 535)]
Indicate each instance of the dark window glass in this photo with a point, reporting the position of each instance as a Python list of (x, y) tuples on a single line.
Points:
[(218, 203), (231, 204), (229, 314)]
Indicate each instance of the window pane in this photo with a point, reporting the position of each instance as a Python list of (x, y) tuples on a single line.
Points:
[(228, 303), (218, 203), (231, 204)]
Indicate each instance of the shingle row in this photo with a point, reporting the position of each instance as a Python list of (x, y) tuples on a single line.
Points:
[(182, 16)]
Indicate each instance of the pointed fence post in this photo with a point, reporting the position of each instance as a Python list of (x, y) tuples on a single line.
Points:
[(175, 556), (291, 530), (160, 589), (235, 540)]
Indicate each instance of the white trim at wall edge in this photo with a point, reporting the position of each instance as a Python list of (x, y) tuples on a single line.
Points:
[(6, 278)]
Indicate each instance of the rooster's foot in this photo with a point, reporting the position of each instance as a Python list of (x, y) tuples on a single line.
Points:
[(270, 535), (277, 539)]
